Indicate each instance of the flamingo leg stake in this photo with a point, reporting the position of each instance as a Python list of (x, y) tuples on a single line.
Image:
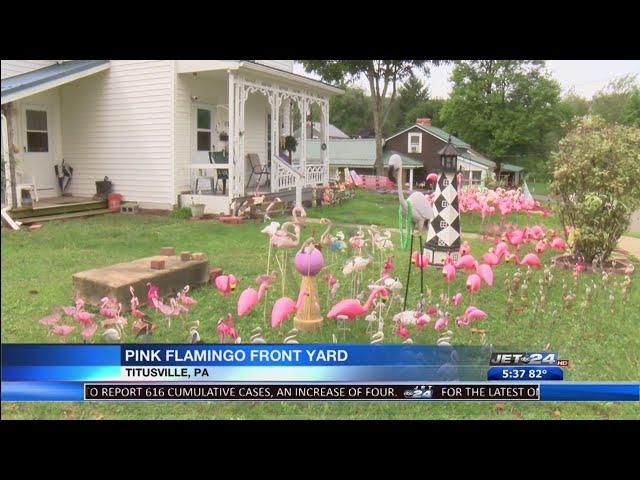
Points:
[(406, 288), (421, 270)]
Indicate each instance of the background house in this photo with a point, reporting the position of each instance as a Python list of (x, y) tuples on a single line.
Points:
[(422, 142)]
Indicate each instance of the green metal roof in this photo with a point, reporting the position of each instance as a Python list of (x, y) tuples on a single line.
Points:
[(356, 153), (444, 136), (476, 157), (511, 168)]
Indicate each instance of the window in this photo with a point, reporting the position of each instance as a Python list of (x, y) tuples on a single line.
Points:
[(471, 177), (415, 143), (441, 243), (445, 204), (443, 224), (37, 134), (445, 182), (204, 130)]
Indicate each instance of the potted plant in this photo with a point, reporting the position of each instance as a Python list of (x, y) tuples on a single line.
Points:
[(290, 144), (197, 209), (224, 140)]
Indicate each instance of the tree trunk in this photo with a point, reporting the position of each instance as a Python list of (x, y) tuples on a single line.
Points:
[(377, 126)]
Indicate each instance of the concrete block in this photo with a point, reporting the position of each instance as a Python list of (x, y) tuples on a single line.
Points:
[(169, 251), (115, 280), (197, 256), (185, 256)]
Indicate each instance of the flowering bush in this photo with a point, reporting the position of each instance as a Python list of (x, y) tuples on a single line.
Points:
[(597, 179)]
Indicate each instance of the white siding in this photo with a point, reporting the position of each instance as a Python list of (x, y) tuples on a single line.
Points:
[(11, 68), (286, 65), (210, 91), (118, 123)]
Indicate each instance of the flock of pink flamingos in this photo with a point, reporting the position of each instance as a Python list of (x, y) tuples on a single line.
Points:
[(506, 247)]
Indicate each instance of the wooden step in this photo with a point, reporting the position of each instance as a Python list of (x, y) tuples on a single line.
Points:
[(58, 209), (64, 216)]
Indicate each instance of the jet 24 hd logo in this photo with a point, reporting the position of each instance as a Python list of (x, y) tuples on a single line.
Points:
[(419, 392), (537, 358)]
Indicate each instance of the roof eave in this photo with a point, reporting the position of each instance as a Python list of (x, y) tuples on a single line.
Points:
[(56, 82)]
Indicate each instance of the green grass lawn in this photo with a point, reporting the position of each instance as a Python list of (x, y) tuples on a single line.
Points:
[(37, 268), (538, 188)]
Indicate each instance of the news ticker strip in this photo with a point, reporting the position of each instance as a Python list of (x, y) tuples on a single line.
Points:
[(299, 391), (318, 392)]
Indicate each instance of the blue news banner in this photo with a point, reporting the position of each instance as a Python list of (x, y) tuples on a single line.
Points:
[(320, 372)]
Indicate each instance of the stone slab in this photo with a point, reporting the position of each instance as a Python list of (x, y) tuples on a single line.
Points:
[(115, 280)]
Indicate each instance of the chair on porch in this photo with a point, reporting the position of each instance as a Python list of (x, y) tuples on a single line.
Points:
[(27, 183), (258, 168), (222, 175)]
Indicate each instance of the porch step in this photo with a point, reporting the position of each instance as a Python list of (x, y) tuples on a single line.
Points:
[(57, 209), (64, 216)]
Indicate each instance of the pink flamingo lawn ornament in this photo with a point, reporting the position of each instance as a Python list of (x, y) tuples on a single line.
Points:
[(184, 298), (88, 331), (225, 328), (62, 330), (351, 308), (250, 297), (442, 322), (530, 259), (108, 307), (473, 283), (226, 284), (152, 294), (52, 319), (457, 298), (420, 260), (284, 307), (485, 272)]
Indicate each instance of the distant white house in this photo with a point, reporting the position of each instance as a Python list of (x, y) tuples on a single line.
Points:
[(314, 130), (150, 125)]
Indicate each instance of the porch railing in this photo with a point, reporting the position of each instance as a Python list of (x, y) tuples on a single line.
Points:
[(315, 174), (283, 175)]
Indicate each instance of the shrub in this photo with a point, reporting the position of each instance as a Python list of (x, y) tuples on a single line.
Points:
[(180, 212), (597, 179)]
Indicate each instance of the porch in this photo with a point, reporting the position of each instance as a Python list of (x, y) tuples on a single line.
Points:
[(250, 137), (58, 208)]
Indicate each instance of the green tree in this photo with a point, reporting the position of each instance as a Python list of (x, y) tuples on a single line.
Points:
[(384, 77), (630, 114), (610, 102), (574, 105), (505, 108), (351, 112), (596, 171)]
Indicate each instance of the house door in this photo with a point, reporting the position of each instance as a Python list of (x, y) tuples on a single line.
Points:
[(203, 133), (37, 156)]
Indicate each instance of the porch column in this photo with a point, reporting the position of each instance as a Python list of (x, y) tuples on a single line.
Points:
[(324, 139), (286, 117), (233, 137), (240, 160), (10, 179), (303, 137), (411, 179)]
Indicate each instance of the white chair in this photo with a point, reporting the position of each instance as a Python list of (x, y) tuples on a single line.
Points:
[(26, 182)]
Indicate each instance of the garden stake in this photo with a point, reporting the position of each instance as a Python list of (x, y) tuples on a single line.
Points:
[(406, 290)]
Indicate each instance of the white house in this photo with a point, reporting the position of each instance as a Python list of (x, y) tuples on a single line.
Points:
[(149, 125)]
